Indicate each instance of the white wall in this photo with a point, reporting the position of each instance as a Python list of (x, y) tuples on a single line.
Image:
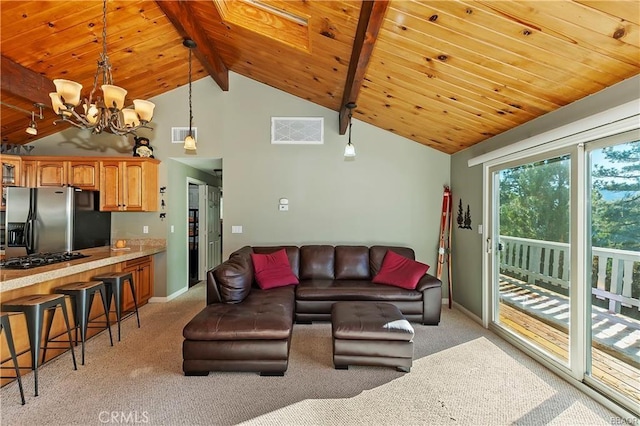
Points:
[(390, 194)]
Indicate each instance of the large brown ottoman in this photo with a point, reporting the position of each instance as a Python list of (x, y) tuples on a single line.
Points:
[(371, 333)]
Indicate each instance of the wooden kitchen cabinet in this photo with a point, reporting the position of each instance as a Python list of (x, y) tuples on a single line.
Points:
[(11, 175), (129, 185), (51, 173), (142, 272), (28, 173), (84, 174)]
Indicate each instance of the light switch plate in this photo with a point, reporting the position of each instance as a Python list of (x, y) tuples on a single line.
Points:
[(236, 229)]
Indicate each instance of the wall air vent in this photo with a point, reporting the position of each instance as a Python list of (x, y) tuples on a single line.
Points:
[(297, 130), (179, 133)]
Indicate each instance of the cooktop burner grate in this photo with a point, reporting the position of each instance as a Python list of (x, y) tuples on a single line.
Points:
[(40, 259)]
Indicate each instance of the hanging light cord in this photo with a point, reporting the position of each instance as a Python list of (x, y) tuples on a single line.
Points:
[(350, 114), (190, 109)]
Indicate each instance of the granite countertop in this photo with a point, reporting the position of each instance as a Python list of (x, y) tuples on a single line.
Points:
[(11, 279)]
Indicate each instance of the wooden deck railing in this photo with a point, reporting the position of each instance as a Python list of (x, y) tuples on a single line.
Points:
[(544, 261)]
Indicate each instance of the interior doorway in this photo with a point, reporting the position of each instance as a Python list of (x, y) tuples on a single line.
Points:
[(204, 229), (193, 234)]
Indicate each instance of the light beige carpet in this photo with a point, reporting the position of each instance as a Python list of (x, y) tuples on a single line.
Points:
[(462, 375)]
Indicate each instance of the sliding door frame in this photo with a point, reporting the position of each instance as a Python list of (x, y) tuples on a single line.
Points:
[(576, 372)]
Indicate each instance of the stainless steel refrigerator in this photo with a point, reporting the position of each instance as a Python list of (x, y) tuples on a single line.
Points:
[(52, 220)]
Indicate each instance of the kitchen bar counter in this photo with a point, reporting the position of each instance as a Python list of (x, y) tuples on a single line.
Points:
[(14, 283), (13, 279)]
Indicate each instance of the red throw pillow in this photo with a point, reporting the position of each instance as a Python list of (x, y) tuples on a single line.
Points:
[(273, 269), (400, 271)]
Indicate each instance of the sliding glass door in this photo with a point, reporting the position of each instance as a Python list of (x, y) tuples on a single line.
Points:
[(564, 260), (614, 252), (531, 231)]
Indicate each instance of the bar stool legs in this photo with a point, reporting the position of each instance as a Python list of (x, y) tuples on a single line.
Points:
[(82, 295), (34, 307), (4, 325), (114, 282)]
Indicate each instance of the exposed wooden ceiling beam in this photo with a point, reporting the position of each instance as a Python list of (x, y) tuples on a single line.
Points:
[(180, 15), (24, 83), (371, 19)]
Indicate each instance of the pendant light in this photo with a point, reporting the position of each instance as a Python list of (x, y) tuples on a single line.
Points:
[(190, 141), (350, 150), (33, 128)]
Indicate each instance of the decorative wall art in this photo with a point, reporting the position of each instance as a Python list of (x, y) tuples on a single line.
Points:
[(464, 219)]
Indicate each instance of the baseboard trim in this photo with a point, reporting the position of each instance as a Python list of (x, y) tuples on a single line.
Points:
[(169, 297), (468, 313)]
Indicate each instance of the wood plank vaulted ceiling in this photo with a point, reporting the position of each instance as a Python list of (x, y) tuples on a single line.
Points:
[(446, 74)]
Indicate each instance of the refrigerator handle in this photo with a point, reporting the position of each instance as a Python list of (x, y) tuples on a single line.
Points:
[(28, 236)]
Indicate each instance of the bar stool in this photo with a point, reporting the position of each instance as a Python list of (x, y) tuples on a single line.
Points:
[(4, 325), (34, 307), (114, 282), (81, 295)]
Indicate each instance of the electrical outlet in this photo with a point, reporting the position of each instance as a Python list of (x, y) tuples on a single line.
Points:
[(145, 229)]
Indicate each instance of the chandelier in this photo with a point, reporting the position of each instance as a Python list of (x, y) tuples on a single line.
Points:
[(106, 113)]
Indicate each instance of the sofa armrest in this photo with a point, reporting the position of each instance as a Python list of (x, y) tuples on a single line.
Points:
[(428, 281), (213, 294)]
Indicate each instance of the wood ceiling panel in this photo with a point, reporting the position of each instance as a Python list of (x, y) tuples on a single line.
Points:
[(468, 64), (554, 50), (467, 125), (600, 37), (629, 9), (470, 97), (416, 100), (491, 84), (477, 69), (526, 66)]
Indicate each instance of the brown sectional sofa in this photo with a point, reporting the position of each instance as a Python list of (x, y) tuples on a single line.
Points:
[(245, 328)]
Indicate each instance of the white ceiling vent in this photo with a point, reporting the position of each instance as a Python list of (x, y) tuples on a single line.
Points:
[(297, 130), (179, 133)]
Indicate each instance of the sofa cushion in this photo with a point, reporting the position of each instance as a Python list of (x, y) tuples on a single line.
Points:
[(234, 277), (316, 262), (293, 254), (352, 263), (272, 270), (377, 253), (399, 271), (263, 315), (353, 290)]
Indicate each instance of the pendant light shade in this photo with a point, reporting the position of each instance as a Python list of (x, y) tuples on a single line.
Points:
[(190, 141), (350, 150)]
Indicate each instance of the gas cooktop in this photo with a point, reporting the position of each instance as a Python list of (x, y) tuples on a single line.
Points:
[(40, 259)]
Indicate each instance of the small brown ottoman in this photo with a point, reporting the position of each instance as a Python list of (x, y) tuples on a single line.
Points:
[(371, 333)]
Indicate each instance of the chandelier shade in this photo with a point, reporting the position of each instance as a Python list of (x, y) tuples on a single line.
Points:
[(100, 114)]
